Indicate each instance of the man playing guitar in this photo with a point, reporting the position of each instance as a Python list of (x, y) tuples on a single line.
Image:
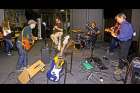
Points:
[(93, 32), (23, 44), (58, 32), (125, 38)]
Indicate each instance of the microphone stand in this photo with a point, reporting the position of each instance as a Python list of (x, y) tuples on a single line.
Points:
[(45, 36), (44, 24)]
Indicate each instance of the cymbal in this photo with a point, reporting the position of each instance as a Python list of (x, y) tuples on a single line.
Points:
[(76, 30), (80, 32)]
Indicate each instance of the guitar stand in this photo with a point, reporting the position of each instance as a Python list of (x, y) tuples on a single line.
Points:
[(129, 67), (71, 63), (65, 74)]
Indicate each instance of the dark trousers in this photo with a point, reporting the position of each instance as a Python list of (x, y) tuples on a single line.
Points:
[(92, 42), (22, 60), (124, 49)]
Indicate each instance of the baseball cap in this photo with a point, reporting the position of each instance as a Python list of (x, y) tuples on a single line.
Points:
[(32, 22)]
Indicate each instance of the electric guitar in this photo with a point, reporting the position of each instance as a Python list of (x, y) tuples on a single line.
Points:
[(54, 73), (1, 35), (56, 64)]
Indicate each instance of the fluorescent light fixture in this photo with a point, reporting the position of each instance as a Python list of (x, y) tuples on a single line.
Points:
[(62, 10)]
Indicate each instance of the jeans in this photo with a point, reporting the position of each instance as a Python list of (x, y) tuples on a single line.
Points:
[(113, 45), (22, 60), (8, 45)]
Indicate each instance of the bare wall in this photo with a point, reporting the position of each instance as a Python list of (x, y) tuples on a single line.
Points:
[(79, 18)]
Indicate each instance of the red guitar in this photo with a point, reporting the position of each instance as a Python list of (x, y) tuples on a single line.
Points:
[(27, 45)]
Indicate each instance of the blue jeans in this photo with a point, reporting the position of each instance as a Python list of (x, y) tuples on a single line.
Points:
[(22, 60), (8, 45), (114, 44)]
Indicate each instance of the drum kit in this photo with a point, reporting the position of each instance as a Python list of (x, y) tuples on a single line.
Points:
[(81, 38)]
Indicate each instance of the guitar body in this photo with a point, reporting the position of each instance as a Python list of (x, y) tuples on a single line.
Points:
[(54, 73), (26, 44), (1, 35), (114, 30), (57, 63)]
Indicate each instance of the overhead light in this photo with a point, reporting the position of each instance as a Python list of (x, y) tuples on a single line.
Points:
[(62, 10)]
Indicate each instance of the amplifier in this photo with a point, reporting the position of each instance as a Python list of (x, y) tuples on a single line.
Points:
[(136, 71)]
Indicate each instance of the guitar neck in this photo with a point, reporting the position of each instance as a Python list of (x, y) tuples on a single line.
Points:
[(108, 30), (65, 42)]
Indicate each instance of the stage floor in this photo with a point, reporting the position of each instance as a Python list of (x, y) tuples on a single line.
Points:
[(8, 74)]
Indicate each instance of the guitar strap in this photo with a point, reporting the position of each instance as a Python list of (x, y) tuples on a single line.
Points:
[(22, 37)]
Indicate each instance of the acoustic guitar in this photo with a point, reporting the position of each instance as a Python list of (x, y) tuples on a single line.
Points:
[(114, 30)]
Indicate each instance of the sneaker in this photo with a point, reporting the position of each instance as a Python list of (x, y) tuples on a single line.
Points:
[(9, 54), (23, 68)]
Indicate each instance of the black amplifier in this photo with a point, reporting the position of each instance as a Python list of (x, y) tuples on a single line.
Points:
[(135, 71)]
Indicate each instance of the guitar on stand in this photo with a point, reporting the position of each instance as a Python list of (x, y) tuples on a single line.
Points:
[(57, 63)]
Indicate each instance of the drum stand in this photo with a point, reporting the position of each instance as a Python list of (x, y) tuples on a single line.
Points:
[(71, 63)]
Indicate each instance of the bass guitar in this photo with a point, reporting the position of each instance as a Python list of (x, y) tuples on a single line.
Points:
[(54, 73), (57, 63)]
